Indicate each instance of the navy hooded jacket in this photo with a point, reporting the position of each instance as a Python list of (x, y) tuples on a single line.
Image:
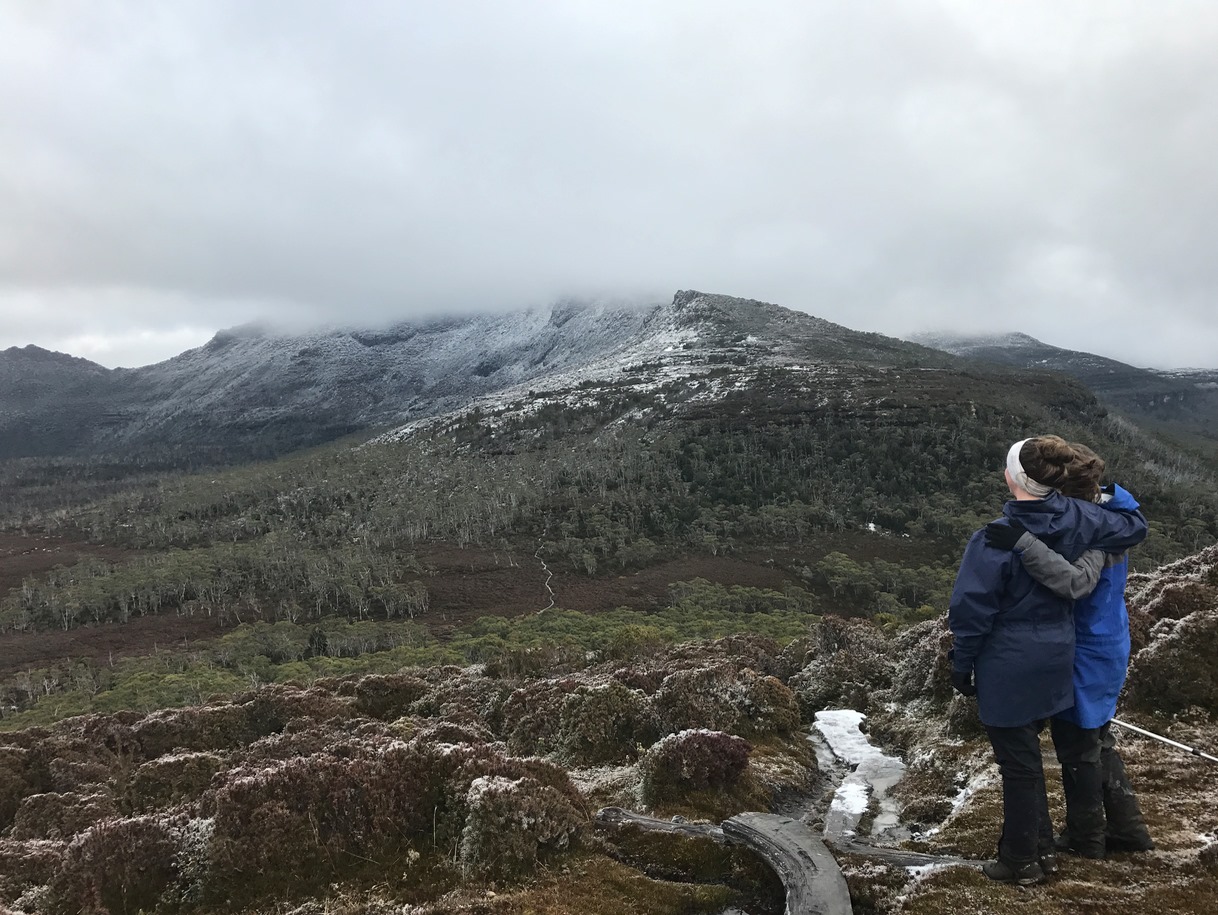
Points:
[(1013, 633)]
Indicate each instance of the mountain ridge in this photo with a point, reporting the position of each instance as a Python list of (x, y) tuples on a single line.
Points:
[(254, 391), (1180, 400)]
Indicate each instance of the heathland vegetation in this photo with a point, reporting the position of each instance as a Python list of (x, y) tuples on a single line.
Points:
[(324, 559)]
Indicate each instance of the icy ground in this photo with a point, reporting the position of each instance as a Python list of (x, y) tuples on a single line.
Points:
[(872, 773)]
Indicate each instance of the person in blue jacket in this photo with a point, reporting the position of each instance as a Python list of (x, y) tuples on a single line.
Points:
[(1013, 638), (1102, 812)]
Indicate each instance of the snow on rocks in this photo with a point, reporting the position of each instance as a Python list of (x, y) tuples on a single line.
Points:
[(873, 774)]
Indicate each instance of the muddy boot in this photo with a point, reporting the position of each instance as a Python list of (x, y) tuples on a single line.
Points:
[(1003, 871), (1126, 829)]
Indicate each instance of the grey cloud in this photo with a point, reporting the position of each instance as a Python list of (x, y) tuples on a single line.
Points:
[(890, 165)]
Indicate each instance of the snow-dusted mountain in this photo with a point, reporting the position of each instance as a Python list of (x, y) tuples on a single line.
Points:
[(1187, 399), (250, 391)]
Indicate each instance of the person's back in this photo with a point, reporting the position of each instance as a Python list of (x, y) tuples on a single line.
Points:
[(1102, 810)]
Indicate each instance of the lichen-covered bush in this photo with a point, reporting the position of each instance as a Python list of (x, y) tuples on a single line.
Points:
[(172, 779), (582, 721), (755, 652), (461, 695), (119, 866), (531, 715), (725, 698), (692, 760), (604, 723), (851, 660), (924, 673), (449, 732), (269, 709), (645, 679), (1177, 669), (510, 824), (309, 818), (60, 816), (26, 864), (15, 782), (387, 697), (199, 729)]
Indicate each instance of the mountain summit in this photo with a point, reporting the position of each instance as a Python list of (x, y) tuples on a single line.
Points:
[(251, 391)]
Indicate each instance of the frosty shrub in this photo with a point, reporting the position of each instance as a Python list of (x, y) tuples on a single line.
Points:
[(584, 723), (16, 782), (724, 698), (330, 738), (604, 724), (692, 760), (269, 708), (851, 660), (387, 697), (1177, 669), (441, 732), (170, 780), (118, 866), (756, 652), (924, 672), (458, 695), (1178, 599), (963, 720), (27, 864), (315, 817), (645, 679), (532, 715), (60, 816), (510, 825), (198, 729)]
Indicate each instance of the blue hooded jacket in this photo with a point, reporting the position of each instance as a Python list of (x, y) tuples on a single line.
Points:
[(1101, 631), (1013, 633)]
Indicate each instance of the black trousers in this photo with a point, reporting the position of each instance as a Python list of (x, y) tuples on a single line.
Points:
[(1027, 830), (1078, 751)]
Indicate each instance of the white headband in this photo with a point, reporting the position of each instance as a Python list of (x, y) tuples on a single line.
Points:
[(1020, 476)]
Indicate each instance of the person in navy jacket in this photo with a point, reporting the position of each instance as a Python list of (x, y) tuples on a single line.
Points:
[(1102, 811), (1013, 638)]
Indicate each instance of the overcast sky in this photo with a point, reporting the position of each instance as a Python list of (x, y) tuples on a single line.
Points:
[(168, 169)]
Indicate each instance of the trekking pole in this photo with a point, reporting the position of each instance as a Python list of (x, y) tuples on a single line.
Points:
[(1193, 750)]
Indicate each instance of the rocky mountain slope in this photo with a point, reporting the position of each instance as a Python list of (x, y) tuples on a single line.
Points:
[(251, 391), (1185, 399)]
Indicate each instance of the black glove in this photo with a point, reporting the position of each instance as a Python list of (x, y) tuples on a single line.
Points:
[(962, 682), (1004, 534)]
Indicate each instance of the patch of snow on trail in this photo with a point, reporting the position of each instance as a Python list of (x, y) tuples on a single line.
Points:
[(874, 773)]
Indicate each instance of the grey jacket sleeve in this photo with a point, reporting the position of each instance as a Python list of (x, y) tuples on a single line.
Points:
[(1050, 568)]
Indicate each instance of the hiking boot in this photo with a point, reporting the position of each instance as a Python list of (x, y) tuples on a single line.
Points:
[(1064, 843), (1048, 863), (1001, 871), (1123, 843)]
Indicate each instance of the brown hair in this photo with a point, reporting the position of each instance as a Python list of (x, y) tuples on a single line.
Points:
[(1085, 473), (1047, 460)]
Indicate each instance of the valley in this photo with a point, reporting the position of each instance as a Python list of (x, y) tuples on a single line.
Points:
[(578, 558)]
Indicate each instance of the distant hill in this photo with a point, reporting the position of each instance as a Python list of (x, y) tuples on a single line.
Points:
[(251, 392), (1182, 400)]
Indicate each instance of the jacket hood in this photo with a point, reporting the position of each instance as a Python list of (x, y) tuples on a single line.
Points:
[(1046, 518)]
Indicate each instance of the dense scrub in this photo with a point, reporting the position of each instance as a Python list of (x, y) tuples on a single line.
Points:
[(422, 784), (791, 458), (446, 776)]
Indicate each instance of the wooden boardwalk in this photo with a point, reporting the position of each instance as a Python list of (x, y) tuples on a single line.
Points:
[(802, 860)]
